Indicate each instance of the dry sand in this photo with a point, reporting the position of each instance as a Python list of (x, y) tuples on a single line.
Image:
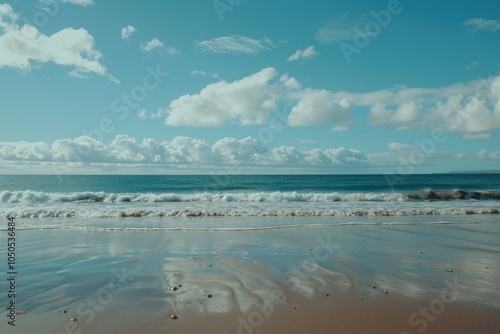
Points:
[(439, 279)]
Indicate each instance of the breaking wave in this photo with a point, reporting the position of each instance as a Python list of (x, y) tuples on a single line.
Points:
[(30, 196)]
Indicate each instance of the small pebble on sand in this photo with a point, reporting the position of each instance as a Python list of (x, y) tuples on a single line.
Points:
[(173, 288), (209, 295), (450, 270), (293, 307), (173, 316), (74, 319)]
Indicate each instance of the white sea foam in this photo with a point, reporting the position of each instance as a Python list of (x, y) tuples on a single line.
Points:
[(30, 196), (240, 212)]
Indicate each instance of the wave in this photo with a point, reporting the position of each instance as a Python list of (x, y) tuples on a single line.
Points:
[(30, 196), (232, 229), (231, 212)]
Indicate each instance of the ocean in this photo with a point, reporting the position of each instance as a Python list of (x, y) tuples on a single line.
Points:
[(115, 202)]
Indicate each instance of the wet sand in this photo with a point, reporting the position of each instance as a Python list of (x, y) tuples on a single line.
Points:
[(438, 278)]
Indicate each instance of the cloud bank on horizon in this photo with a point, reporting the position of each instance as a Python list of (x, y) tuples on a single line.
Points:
[(360, 91)]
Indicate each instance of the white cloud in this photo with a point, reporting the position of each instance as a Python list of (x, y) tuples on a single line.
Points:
[(303, 54), (84, 3), (317, 107), (289, 82), (22, 46), (181, 150), (155, 43), (405, 114), (235, 44), (395, 146), (478, 23), (206, 74), (127, 31), (247, 101), (487, 155), (339, 128), (477, 136), (142, 113), (173, 51), (308, 141), (470, 109), (341, 28), (472, 65)]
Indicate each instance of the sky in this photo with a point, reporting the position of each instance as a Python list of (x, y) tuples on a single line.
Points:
[(249, 87)]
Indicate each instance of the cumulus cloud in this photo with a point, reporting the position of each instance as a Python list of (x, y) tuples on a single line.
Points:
[(155, 43), (405, 114), (303, 54), (487, 155), (480, 23), (235, 44), (127, 31), (247, 101), (180, 150), (318, 107), (24, 46), (471, 109)]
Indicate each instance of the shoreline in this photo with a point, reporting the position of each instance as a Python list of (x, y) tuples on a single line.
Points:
[(280, 281)]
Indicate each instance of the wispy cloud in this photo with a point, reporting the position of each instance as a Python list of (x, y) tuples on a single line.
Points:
[(206, 74), (342, 28), (83, 3), (480, 23), (472, 65), (173, 51), (302, 54), (127, 31), (235, 44)]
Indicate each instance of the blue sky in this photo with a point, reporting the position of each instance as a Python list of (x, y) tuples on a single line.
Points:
[(94, 86)]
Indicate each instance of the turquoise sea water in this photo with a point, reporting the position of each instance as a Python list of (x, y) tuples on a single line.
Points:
[(106, 201)]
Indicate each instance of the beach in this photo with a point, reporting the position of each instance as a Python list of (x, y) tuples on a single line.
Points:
[(393, 278)]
